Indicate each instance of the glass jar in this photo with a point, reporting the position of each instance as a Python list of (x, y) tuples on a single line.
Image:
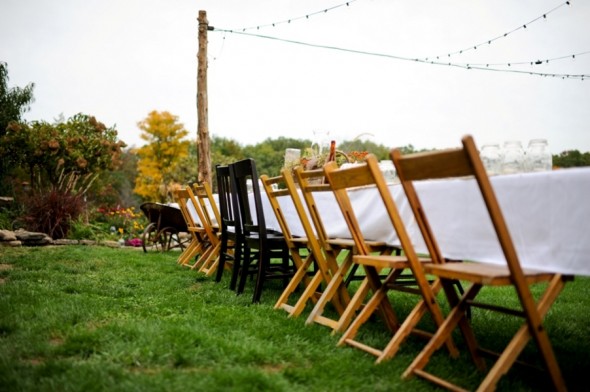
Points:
[(538, 156), (292, 157), (491, 156), (512, 157), (321, 142)]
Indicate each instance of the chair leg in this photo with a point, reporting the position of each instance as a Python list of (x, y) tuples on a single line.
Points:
[(522, 337), (239, 253), (362, 317), (263, 267), (222, 256), (456, 317), (336, 283), (353, 306), (309, 294), (244, 269), (299, 277)]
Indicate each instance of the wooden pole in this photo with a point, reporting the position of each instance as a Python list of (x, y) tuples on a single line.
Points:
[(203, 141)]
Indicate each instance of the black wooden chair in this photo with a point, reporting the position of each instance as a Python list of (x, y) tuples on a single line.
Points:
[(265, 254), (232, 238)]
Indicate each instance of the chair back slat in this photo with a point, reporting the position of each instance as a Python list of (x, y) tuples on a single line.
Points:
[(441, 164), (230, 219)]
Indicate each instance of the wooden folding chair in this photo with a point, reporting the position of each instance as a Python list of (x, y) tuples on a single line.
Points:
[(286, 192), (198, 244), (462, 162), (342, 181), (310, 182), (211, 217)]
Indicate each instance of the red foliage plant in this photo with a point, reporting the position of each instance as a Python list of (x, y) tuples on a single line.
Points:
[(51, 209)]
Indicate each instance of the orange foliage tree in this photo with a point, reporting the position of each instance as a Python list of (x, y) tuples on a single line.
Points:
[(159, 158)]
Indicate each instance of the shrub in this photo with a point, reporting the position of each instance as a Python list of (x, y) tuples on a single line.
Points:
[(80, 229), (52, 209), (122, 222)]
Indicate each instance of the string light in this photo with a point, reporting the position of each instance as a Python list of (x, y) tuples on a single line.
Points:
[(288, 21), (487, 67), (522, 26), (538, 61)]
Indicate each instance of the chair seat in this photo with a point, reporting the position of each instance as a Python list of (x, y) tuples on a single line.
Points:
[(349, 242), (270, 237), (484, 273), (385, 261)]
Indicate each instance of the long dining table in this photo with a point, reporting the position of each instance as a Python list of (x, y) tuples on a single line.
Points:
[(548, 215)]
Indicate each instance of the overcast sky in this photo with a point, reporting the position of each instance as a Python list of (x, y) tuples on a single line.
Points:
[(120, 59)]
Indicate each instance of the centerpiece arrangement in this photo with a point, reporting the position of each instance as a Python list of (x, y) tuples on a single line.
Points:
[(316, 156)]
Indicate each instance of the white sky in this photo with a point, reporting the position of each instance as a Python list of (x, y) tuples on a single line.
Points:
[(120, 59)]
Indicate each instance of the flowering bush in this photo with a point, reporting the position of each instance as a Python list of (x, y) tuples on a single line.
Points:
[(123, 223)]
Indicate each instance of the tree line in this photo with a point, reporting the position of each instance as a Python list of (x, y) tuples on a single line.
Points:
[(53, 172)]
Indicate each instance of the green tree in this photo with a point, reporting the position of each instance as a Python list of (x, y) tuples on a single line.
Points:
[(160, 157), (270, 154), (379, 150), (224, 151), (571, 158), (14, 102)]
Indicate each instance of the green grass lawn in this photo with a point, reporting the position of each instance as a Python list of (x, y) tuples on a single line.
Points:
[(78, 318)]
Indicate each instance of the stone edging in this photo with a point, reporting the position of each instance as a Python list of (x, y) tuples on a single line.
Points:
[(26, 238)]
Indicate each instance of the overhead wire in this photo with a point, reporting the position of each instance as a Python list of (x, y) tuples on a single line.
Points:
[(430, 59)]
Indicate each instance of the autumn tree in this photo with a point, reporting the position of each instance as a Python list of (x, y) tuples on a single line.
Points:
[(160, 157), (41, 150)]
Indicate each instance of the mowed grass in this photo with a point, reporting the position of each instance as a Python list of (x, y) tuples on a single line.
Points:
[(79, 318)]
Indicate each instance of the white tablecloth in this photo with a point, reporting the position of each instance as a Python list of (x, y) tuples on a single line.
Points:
[(548, 215)]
